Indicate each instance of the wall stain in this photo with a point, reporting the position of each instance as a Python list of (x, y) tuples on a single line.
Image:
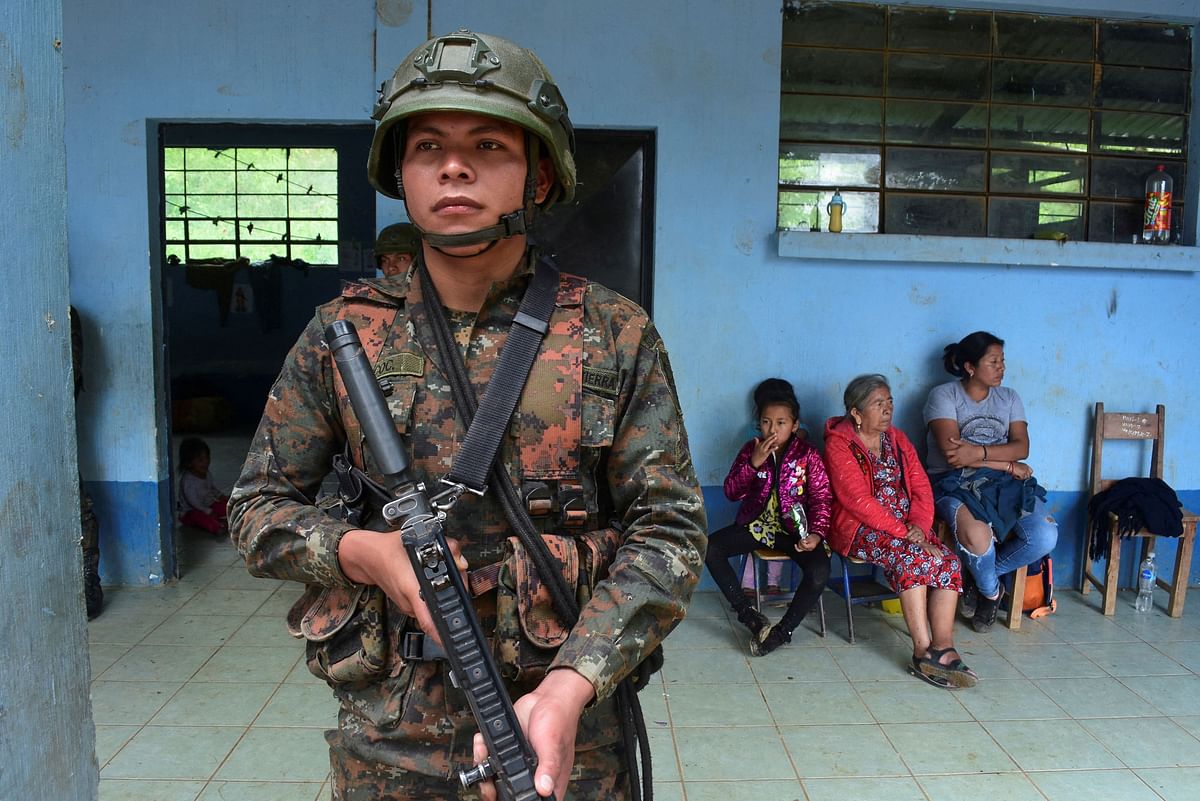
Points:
[(743, 237), (915, 297), (228, 91), (393, 13), (1112, 304), (15, 105), (131, 134)]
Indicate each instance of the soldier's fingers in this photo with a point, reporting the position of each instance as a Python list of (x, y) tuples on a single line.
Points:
[(487, 789), (456, 551)]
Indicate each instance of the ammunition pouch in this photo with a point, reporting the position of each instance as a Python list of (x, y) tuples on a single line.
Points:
[(345, 632)]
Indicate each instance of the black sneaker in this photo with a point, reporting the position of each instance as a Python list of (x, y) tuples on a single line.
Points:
[(970, 596), (768, 640), (985, 612), (752, 619)]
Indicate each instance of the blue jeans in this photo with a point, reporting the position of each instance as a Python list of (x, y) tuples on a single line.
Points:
[(1034, 536)]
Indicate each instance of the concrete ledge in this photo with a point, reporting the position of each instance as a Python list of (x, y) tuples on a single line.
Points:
[(967, 251)]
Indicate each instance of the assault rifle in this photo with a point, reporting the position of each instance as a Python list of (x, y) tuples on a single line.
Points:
[(511, 761)]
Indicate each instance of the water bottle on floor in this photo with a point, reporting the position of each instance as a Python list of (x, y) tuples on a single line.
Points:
[(1146, 576)]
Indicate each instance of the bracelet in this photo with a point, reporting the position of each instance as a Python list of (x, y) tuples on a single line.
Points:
[(984, 452)]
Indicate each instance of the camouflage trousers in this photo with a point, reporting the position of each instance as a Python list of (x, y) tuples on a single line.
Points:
[(406, 738), (351, 779), (93, 595)]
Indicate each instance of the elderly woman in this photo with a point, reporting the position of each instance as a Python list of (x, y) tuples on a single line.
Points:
[(883, 514)]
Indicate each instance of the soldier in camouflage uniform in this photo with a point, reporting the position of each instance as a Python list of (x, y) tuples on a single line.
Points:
[(89, 527), (474, 137), (395, 248)]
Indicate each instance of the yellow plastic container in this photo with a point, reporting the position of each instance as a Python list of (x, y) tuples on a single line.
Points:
[(891, 606)]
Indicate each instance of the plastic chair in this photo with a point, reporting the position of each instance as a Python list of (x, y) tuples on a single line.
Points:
[(859, 589), (1135, 426), (1015, 599), (760, 555)]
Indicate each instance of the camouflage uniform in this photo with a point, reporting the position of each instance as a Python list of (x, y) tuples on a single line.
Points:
[(89, 527), (633, 464)]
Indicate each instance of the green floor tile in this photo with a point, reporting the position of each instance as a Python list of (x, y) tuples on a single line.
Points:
[(980, 787), (719, 754), (268, 754), (1173, 784), (1050, 745), (1146, 742), (159, 663), (1133, 659), (130, 702), (1108, 785), (173, 752), (300, 705), (214, 704), (1094, 698), (263, 791), (213, 600), (815, 703), (182, 628), (149, 790), (841, 751), (717, 705), (1008, 699), (718, 666), (793, 665), (742, 791), (947, 748), (242, 663), (896, 788), (1051, 661), (912, 701), (1170, 695)]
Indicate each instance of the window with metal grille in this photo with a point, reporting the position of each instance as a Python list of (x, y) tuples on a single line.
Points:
[(956, 122), (259, 191)]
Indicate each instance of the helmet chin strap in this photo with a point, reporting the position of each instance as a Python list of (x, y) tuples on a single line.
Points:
[(512, 224)]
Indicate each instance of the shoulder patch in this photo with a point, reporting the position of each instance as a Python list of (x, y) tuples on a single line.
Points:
[(402, 363), (600, 381)]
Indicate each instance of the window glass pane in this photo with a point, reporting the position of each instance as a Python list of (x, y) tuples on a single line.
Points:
[(175, 251), (1017, 218), (1031, 128), (828, 165), (259, 182), (175, 206), (313, 158), (934, 214), (830, 71), (1126, 178), (940, 30), (313, 205), (306, 182), (1035, 82), (830, 118), (834, 25), (211, 251), (212, 205), (937, 77), (263, 206), (798, 211), (1115, 222), (175, 231), (262, 158), (314, 230), (1146, 45), (1026, 36), (1126, 132), (172, 158), (1143, 89), (316, 254), (913, 122), (933, 169), (173, 181), (211, 230), (860, 216), (206, 182), (1026, 174), (257, 253), (259, 229)]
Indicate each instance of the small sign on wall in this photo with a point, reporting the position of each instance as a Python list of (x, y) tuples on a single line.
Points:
[(242, 300)]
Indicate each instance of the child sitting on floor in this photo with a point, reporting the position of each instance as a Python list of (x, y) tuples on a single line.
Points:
[(201, 504)]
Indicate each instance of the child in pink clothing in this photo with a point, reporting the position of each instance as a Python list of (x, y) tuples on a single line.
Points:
[(201, 504)]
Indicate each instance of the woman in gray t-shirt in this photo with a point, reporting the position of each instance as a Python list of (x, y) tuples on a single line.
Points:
[(975, 424)]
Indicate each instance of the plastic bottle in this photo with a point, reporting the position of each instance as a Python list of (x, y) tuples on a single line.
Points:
[(835, 209), (1146, 576), (1156, 220)]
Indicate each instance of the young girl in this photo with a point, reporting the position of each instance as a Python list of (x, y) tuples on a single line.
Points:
[(781, 482), (201, 503)]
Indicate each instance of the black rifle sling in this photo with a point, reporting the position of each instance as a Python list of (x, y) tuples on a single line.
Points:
[(536, 307)]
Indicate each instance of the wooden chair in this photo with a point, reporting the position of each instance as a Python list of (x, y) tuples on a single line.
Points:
[(1134, 426), (941, 529), (760, 555)]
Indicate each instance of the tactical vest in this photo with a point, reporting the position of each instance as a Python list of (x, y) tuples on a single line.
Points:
[(547, 424)]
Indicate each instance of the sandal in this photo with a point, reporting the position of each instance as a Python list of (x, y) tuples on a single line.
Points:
[(956, 672), (915, 670)]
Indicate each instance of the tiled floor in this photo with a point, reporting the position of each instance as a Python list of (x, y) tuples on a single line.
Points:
[(199, 695)]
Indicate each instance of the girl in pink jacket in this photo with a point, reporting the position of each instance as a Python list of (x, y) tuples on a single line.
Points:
[(786, 501)]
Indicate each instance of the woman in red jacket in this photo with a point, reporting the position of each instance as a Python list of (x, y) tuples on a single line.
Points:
[(883, 514)]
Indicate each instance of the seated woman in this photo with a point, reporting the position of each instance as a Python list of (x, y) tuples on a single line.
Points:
[(977, 431), (883, 514), (781, 482)]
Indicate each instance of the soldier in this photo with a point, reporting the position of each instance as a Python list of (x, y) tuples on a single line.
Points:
[(474, 136), (395, 249)]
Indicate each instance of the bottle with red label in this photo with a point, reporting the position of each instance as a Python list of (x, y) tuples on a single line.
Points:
[(1156, 220)]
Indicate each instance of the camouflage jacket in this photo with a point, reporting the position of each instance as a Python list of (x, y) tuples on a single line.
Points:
[(634, 464)]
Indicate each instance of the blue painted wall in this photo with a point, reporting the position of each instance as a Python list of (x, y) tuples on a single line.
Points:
[(705, 76), (47, 739)]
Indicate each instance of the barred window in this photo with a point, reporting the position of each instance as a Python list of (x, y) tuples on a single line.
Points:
[(974, 123), (253, 192)]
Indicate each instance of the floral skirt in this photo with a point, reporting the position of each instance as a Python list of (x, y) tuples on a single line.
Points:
[(906, 564)]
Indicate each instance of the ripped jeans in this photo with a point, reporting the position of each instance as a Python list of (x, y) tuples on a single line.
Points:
[(1034, 536)]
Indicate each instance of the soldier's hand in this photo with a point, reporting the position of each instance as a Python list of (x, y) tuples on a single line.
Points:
[(550, 718), (379, 558)]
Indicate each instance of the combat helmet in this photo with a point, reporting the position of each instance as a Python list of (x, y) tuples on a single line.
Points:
[(398, 238), (481, 74)]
